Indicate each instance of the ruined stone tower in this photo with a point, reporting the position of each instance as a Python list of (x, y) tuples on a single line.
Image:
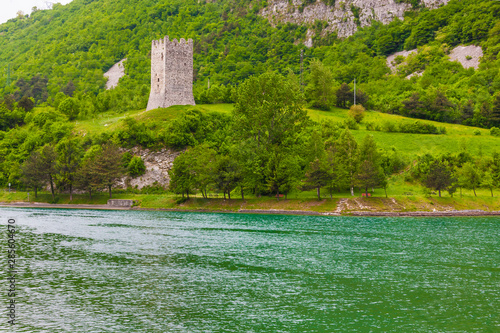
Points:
[(171, 73)]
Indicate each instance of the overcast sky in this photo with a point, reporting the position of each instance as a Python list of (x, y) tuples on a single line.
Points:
[(9, 8)]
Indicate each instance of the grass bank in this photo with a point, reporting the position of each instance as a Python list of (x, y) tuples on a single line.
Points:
[(339, 203)]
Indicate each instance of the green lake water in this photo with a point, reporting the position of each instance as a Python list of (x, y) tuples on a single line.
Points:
[(143, 271)]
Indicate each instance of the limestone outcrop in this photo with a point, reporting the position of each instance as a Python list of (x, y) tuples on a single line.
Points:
[(340, 18), (157, 165)]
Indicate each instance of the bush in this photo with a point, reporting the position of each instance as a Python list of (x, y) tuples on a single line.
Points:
[(351, 124), (420, 128), (477, 132), (357, 112), (136, 166), (389, 127), (495, 131)]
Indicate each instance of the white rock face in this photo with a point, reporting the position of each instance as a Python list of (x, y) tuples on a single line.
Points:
[(114, 74), (468, 56), (340, 18), (157, 165)]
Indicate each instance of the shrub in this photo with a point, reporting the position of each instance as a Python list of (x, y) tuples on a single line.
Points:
[(420, 128), (136, 166), (351, 124), (126, 157), (357, 112), (477, 132), (389, 127), (495, 131)]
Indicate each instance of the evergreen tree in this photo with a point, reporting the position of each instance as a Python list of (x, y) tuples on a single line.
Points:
[(47, 166), (317, 176), (370, 172), (439, 177), (347, 157), (107, 167), (69, 154), (344, 95), (32, 174)]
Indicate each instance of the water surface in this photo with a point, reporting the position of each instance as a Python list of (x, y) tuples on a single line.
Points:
[(142, 271)]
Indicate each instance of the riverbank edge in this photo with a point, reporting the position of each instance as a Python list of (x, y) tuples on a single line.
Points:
[(450, 213)]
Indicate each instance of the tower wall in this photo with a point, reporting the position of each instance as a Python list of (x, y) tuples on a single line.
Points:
[(171, 73)]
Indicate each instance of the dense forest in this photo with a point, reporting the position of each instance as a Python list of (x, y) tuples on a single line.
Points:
[(53, 63)]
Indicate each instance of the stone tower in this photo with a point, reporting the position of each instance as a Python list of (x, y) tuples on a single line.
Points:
[(171, 73)]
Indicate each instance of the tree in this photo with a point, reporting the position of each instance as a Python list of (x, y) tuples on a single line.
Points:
[(317, 175), (488, 182), (182, 177), (86, 178), (227, 175), (357, 112), (344, 95), (268, 109), (346, 155), (203, 166), (107, 168), (471, 176), (283, 172), (48, 159), (439, 177), (69, 154), (370, 172), (26, 103), (414, 106), (32, 174), (320, 88), (69, 107)]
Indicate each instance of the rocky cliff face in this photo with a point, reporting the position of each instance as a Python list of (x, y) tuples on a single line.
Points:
[(343, 18), (157, 165)]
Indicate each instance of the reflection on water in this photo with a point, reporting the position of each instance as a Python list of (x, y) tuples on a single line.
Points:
[(94, 271)]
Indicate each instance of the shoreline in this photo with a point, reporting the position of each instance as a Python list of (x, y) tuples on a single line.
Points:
[(451, 213)]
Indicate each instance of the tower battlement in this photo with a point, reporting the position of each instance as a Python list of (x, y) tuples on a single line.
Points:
[(171, 73)]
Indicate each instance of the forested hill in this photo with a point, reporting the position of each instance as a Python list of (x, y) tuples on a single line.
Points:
[(67, 49)]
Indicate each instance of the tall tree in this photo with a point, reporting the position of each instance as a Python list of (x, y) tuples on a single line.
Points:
[(268, 109), (69, 154), (48, 159), (344, 95), (317, 176), (319, 91), (347, 157), (370, 172), (32, 174), (182, 177), (471, 176), (108, 168), (439, 177), (86, 178), (283, 172)]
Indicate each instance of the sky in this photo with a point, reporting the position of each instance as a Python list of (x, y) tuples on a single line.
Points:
[(9, 8)]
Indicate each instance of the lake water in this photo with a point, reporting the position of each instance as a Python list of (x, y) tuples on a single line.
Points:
[(143, 271)]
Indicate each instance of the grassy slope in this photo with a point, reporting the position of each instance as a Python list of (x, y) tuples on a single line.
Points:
[(408, 144)]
